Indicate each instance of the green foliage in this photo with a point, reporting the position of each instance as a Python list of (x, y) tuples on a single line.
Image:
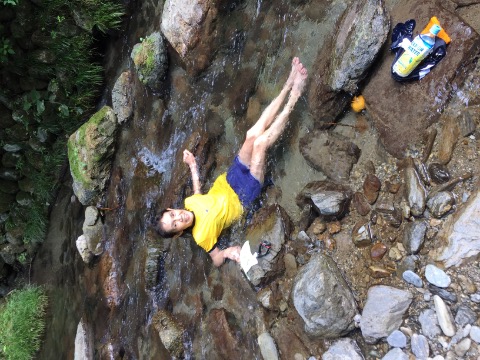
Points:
[(22, 323), (5, 49), (51, 115)]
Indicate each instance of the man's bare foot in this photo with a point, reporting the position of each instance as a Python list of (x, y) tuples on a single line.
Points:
[(293, 73), (299, 80)]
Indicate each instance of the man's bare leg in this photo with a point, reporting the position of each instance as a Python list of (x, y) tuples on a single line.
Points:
[(268, 138), (268, 115)]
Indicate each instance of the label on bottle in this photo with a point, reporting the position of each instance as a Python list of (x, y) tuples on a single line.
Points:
[(411, 57)]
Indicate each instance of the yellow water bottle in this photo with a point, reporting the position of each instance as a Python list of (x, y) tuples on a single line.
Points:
[(415, 52)]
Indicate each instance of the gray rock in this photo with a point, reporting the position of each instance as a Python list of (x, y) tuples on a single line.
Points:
[(328, 199), (420, 347), (475, 298), (90, 152), (415, 191), (462, 347), (360, 36), (444, 294), (397, 339), (343, 349), (444, 316), (150, 60), (383, 311), (412, 278), (414, 236), (475, 334), (429, 323), (190, 27), (436, 276), (84, 342), (330, 153), (323, 299), (465, 316), (395, 354), (122, 98), (460, 237), (270, 224), (441, 203), (267, 346)]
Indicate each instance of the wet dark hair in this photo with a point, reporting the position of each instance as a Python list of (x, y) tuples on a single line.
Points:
[(158, 226)]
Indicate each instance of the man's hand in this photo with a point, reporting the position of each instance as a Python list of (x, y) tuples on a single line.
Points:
[(232, 253), (188, 158), (218, 256)]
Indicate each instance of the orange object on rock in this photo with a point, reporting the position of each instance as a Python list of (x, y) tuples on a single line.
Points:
[(442, 34), (358, 103)]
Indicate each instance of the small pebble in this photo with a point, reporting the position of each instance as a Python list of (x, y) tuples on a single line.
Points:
[(475, 298), (475, 334), (397, 339), (462, 347), (444, 316), (395, 354), (437, 276), (412, 278), (420, 347)]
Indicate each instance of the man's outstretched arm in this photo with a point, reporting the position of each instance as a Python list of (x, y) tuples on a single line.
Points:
[(190, 160), (218, 256)]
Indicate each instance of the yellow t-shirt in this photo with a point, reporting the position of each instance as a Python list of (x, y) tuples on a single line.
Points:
[(214, 212)]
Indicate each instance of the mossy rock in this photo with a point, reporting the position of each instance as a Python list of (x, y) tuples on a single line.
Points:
[(90, 152), (150, 59)]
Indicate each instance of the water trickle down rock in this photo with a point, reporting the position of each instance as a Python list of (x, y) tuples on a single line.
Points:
[(383, 312), (323, 299), (270, 224), (90, 153), (459, 240), (170, 332)]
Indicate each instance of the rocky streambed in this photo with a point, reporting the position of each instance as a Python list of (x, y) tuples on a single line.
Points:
[(372, 216)]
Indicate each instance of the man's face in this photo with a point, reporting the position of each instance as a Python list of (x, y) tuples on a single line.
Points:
[(176, 220)]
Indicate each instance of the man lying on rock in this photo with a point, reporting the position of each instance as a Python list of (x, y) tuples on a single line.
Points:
[(207, 215)]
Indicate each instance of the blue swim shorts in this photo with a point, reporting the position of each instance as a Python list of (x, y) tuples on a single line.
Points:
[(243, 183)]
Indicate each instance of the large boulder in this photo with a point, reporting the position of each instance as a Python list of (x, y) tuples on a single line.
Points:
[(402, 112), (189, 26), (346, 57), (270, 224), (150, 60), (323, 299), (90, 152), (459, 240)]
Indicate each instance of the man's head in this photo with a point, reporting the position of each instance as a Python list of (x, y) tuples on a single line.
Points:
[(170, 222)]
